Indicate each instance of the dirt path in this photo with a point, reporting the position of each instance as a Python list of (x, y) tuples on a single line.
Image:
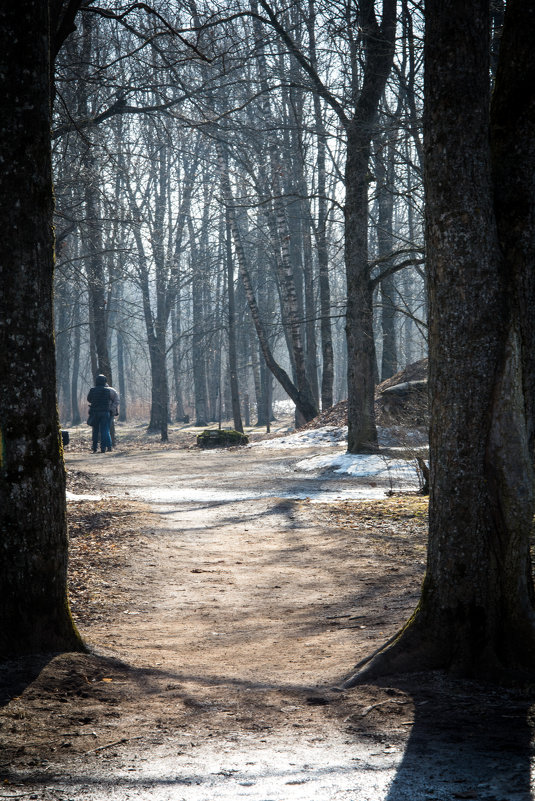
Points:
[(234, 613)]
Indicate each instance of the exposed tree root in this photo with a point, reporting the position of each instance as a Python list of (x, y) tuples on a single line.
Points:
[(418, 647), (406, 652)]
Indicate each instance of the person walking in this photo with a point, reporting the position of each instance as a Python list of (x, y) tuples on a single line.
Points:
[(104, 401)]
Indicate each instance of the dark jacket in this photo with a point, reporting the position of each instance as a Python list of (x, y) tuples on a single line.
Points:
[(100, 399)]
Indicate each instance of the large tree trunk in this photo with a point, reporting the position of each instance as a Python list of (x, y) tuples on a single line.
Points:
[(513, 158), (159, 409), (476, 615), (34, 612)]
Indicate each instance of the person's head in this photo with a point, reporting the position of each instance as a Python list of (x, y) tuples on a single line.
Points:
[(101, 380)]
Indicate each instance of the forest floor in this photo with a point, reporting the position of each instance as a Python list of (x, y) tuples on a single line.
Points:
[(223, 596)]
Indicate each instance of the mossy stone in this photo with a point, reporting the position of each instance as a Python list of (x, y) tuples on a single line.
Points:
[(221, 438)]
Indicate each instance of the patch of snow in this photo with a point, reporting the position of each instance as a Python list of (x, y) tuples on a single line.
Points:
[(172, 497), (310, 438), (361, 465), (281, 407), (71, 496), (355, 492), (176, 495), (398, 435), (335, 435)]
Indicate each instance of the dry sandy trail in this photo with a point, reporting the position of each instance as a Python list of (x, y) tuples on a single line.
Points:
[(231, 605), (227, 613)]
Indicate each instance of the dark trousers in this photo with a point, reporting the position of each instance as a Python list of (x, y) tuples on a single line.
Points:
[(101, 428)]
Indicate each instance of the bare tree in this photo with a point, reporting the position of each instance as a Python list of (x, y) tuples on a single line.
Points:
[(476, 614), (378, 41), (34, 613)]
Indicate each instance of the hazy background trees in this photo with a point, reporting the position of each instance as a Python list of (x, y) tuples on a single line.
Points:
[(204, 145)]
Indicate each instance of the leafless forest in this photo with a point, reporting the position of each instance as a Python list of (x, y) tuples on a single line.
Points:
[(238, 215), (239, 205)]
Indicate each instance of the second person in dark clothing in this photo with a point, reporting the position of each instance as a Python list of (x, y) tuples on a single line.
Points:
[(104, 401)]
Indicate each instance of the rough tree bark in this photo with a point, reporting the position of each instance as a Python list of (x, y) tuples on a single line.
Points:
[(34, 612), (476, 614), (513, 160)]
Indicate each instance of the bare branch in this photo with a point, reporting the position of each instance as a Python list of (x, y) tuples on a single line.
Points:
[(395, 268), (319, 86), (104, 12)]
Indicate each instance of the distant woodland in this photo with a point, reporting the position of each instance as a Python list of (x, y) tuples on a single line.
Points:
[(231, 181)]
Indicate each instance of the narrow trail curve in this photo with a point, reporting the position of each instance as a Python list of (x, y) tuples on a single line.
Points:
[(231, 608)]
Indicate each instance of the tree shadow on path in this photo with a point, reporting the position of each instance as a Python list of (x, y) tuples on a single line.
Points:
[(467, 741), (18, 674)]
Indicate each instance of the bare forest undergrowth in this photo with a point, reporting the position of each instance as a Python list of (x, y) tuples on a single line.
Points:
[(270, 619)]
